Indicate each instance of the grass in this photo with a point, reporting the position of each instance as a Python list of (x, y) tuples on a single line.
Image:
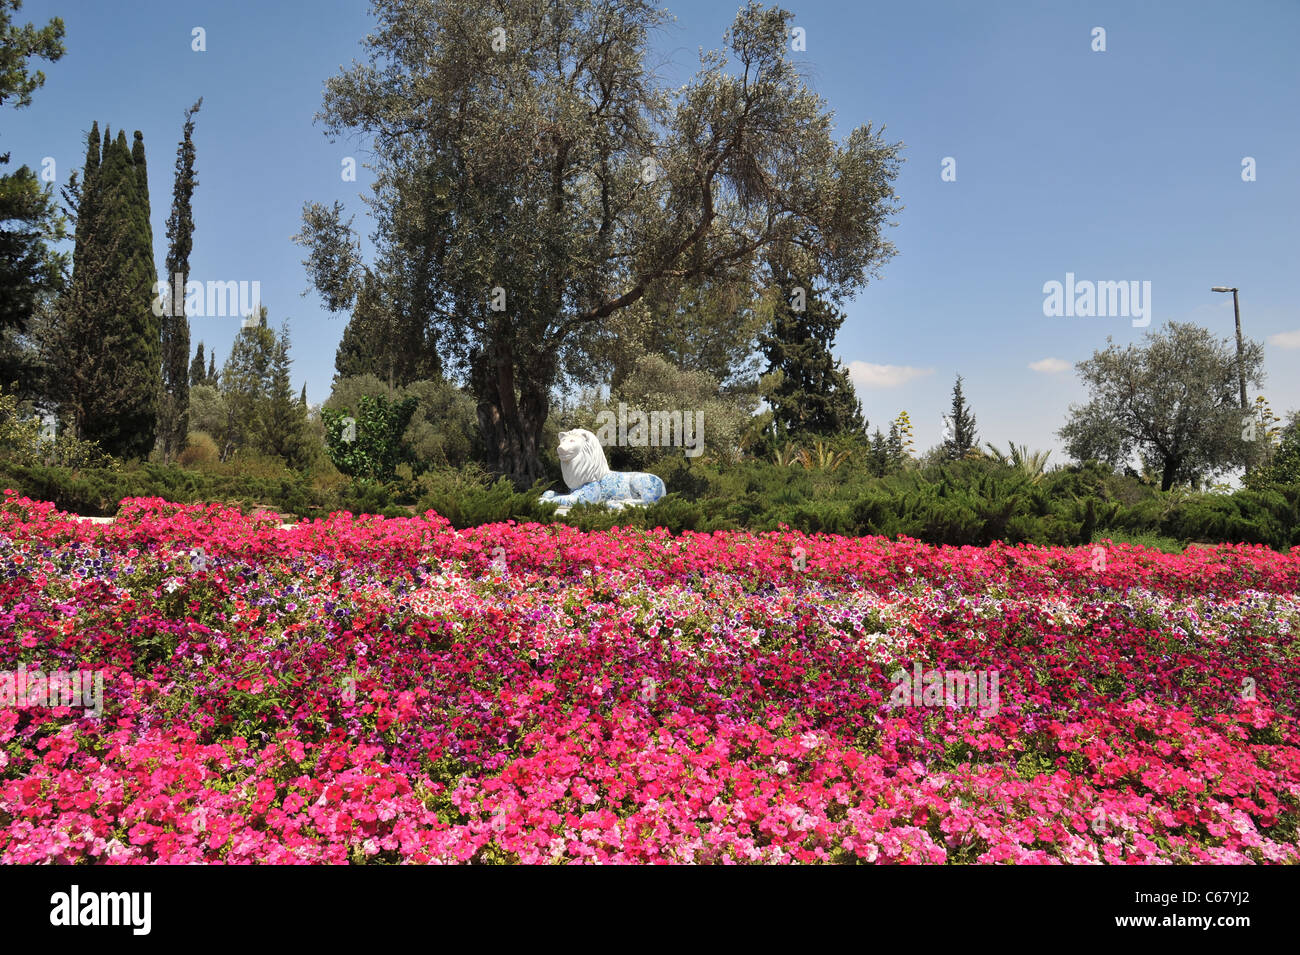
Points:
[(1168, 545)]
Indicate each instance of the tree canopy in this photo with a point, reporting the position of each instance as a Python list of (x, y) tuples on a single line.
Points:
[(534, 180), (1173, 400)]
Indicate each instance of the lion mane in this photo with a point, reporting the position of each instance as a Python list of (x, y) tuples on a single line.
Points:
[(582, 459)]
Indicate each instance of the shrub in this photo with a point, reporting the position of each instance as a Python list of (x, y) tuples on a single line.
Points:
[(372, 444), (200, 451), (469, 498)]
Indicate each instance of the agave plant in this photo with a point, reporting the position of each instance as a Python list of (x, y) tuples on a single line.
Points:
[(823, 458)]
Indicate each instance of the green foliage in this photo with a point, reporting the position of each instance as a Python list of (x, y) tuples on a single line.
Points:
[(1173, 401), (468, 498), (173, 411), (255, 409), (381, 340), (1283, 465), (1032, 464), (747, 160), (25, 440), (198, 369), (967, 502), (103, 343), (655, 385), (808, 389), (961, 438), (29, 218), (1167, 545), (208, 411), (704, 325), (245, 385), (368, 441), (443, 431), (1249, 516), (282, 429)]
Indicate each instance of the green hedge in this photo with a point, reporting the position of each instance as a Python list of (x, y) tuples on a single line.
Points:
[(966, 502)]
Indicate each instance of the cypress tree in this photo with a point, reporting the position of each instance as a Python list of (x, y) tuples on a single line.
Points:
[(815, 395), (174, 402), (142, 177), (198, 367), (212, 371), (110, 354), (82, 194), (79, 343)]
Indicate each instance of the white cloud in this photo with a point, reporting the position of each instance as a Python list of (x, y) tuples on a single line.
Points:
[(1285, 339), (867, 375), (1050, 365)]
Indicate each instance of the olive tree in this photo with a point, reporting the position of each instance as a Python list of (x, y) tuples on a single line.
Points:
[(1173, 400), (534, 179)]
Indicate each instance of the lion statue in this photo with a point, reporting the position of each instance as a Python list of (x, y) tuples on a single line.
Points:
[(587, 473)]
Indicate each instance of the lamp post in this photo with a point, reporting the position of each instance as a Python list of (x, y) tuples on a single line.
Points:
[(1241, 368)]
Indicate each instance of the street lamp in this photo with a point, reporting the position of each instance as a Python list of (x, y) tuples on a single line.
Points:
[(1241, 368)]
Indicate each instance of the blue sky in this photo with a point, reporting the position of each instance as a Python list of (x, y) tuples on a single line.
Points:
[(1122, 165)]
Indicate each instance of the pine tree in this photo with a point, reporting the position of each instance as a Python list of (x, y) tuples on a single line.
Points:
[(175, 398), (894, 446), (197, 367), (283, 421), (378, 340), (30, 269), (960, 434), (245, 384), (879, 459), (813, 395)]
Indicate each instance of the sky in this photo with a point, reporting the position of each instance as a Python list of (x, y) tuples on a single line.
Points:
[(1122, 164)]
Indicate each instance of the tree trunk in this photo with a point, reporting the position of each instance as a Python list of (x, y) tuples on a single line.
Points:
[(1167, 476), (511, 423)]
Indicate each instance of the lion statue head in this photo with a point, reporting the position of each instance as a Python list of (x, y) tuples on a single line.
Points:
[(582, 459)]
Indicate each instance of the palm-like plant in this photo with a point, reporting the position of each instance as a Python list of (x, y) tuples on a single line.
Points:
[(1032, 464), (787, 456), (822, 457)]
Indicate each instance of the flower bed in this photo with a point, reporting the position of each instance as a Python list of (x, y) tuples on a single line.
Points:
[(392, 690)]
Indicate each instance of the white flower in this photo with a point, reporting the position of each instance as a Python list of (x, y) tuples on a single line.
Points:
[(783, 767)]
